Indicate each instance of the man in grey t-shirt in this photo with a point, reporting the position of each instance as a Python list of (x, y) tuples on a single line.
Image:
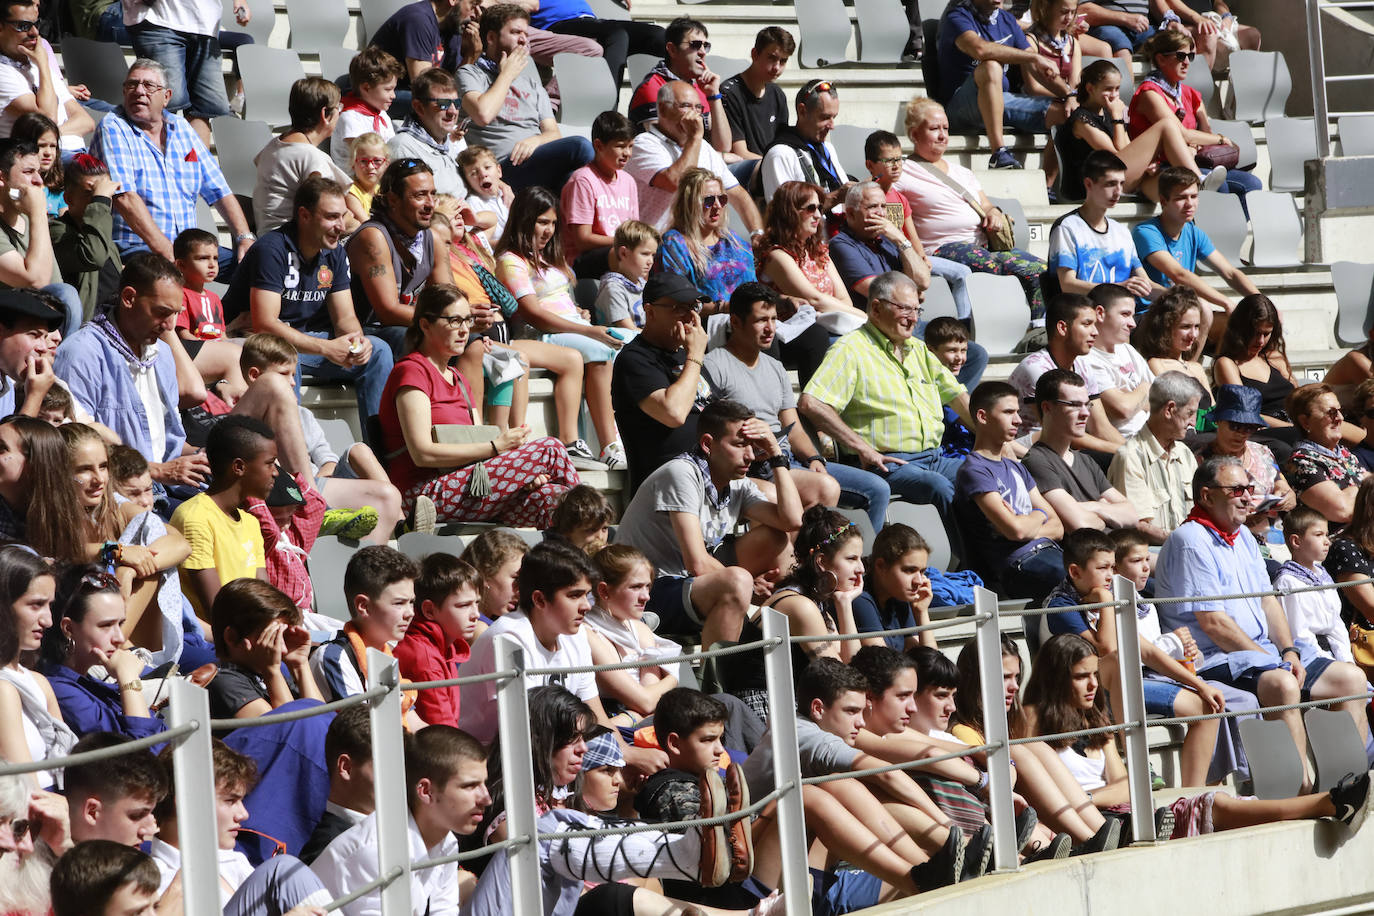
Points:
[(510, 111), (681, 515)]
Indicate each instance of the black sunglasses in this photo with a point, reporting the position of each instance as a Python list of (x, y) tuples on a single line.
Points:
[(441, 104), (21, 25), (1185, 57)]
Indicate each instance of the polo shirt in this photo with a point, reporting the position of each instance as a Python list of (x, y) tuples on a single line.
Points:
[(858, 260), (274, 263), (955, 65), (1160, 486), (1191, 246), (892, 401), (411, 32)]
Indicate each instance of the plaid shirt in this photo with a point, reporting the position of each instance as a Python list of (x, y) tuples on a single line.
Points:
[(893, 403), (286, 567), (169, 182)]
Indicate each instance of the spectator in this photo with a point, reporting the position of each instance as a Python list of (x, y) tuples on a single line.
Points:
[(39, 130), (878, 393), (428, 131), (1352, 369), (32, 80), (1154, 467), (368, 160), (617, 633), (1011, 531), (829, 549), (157, 194), (113, 799), (27, 324), (897, 593), (673, 145), (883, 159), (979, 41), (1163, 93), (526, 476), (510, 111), (803, 152), (440, 634), (33, 729), (1237, 416), (395, 254), (82, 237), (287, 161), (704, 579), (1074, 484), (289, 519), (699, 244), (97, 876), (618, 38), (413, 37), (743, 372), (1116, 369), (372, 77), (1362, 404), (1071, 321), (948, 339), (1351, 558), (496, 554), (1087, 247), (1123, 24), (620, 293), (599, 196), (942, 214), (1252, 353), (1322, 471), (1169, 336), (26, 252), (348, 757), (754, 105), (264, 652), (686, 44), (656, 386), (1313, 617), (582, 520), (1171, 245), (1244, 642), (488, 196), (794, 257), (183, 38)]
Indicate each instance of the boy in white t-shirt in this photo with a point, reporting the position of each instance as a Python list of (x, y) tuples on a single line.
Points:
[(488, 196), (1087, 248), (373, 74), (1116, 369), (1314, 617)]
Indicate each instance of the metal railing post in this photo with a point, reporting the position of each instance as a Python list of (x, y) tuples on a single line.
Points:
[(517, 778), (988, 637), (193, 770), (782, 725), (1133, 707), (1317, 62), (389, 777)]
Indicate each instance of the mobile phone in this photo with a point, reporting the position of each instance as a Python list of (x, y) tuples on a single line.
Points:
[(15, 193)]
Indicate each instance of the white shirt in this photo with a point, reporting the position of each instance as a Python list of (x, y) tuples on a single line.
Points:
[(477, 706), (780, 164), (1123, 368), (234, 868), (198, 17), (1313, 614), (19, 78), (145, 383), (350, 861), (653, 152)]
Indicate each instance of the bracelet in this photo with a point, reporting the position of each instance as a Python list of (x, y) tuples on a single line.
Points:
[(905, 246), (820, 458), (778, 461), (1294, 649), (1118, 120), (693, 359), (135, 684), (494, 450), (1041, 511), (981, 784), (713, 98)]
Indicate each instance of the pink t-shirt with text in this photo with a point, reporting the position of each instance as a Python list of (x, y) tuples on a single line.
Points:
[(590, 200)]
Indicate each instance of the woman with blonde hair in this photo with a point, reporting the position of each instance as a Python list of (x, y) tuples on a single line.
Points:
[(699, 244)]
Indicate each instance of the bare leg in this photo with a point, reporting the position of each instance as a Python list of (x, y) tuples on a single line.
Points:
[(140, 627), (597, 379), (354, 494), (1201, 742), (915, 840), (202, 129), (566, 364), (762, 549), (1044, 795), (1068, 786), (988, 77), (272, 399), (815, 489), (1344, 680), (721, 599), (520, 401), (364, 463), (1279, 688), (1230, 813), (219, 359)]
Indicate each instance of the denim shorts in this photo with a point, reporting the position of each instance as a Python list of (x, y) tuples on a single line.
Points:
[(1024, 113), (593, 351), (1160, 696)]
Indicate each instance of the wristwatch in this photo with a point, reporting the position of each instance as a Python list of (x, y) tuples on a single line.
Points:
[(135, 684), (245, 235)]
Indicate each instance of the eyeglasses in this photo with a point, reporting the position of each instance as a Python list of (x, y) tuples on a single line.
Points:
[(373, 161), (889, 161), (1239, 489), (899, 309), (456, 321), (149, 85), (21, 25), (1247, 429), (689, 106), (1185, 57), (20, 829), (812, 207), (441, 104), (697, 45), (1074, 405), (711, 201)]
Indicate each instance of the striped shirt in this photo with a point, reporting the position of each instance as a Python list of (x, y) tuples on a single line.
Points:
[(168, 181), (893, 402)]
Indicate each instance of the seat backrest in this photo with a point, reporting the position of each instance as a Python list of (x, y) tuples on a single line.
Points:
[(419, 544), (1354, 285), (825, 31), (1336, 746), (1240, 132), (334, 62), (317, 24), (1001, 313), (848, 141), (1200, 78), (1260, 84), (1127, 75), (596, 91), (608, 9), (1277, 229), (267, 77), (939, 301), (375, 12), (1292, 141), (883, 31), (926, 519), (1275, 764), (260, 25), (98, 64), (1221, 217), (584, 292), (328, 562), (236, 143), (637, 66), (861, 521), (1357, 135), (726, 67), (1020, 229), (338, 434)]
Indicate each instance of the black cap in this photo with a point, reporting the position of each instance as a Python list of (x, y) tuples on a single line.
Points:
[(284, 492), (672, 286), (15, 302)]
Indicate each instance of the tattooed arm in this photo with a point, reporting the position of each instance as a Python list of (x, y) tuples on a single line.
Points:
[(369, 260)]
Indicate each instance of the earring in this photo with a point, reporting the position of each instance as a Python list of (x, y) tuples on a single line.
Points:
[(828, 588)]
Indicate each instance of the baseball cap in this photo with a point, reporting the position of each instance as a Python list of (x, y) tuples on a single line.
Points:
[(674, 287), (17, 302)]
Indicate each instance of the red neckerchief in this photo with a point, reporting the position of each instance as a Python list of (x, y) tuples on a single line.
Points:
[(1197, 516), (353, 102)]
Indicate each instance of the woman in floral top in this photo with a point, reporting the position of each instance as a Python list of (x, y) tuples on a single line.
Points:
[(1323, 472), (699, 244)]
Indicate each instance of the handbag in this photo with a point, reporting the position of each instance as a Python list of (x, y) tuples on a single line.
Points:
[(1217, 154), (1362, 646), (479, 483), (1002, 238)]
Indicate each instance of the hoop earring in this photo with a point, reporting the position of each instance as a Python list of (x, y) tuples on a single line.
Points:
[(828, 588)]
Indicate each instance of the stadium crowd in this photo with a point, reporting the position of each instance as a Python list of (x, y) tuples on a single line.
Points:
[(423, 231)]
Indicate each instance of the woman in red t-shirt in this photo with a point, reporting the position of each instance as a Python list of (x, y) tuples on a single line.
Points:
[(528, 476)]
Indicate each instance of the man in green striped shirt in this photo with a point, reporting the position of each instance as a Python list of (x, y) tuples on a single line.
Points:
[(879, 393)]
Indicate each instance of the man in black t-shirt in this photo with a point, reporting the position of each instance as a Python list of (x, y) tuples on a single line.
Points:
[(754, 105), (656, 385)]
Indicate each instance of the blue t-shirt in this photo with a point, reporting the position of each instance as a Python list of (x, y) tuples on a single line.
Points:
[(893, 615), (1094, 257), (955, 65), (1076, 622), (1191, 246), (274, 263), (857, 260), (411, 32), (555, 11), (1013, 483)]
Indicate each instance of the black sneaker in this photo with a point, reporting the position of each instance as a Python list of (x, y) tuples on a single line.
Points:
[(1057, 848), (1003, 159), (977, 853), (1164, 823), (1350, 797), (1106, 839), (1025, 827), (945, 867)]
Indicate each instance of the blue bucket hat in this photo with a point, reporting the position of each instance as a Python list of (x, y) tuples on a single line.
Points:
[(1238, 404)]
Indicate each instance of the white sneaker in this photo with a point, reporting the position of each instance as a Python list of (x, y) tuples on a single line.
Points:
[(1214, 179), (582, 458), (613, 455)]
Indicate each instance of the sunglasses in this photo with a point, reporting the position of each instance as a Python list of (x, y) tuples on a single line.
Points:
[(441, 104), (21, 25), (1240, 489), (812, 207), (817, 88), (99, 580), (1185, 57), (697, 45), (711, 201)]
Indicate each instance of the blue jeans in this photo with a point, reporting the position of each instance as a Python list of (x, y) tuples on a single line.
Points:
[(368, 380), (1121, 39), (549, 165), (927, 477), (194, 72), (1035, 574), (860, 489), (110, 26), (744, 170), (1025, 113), (73, 311), (956, 275), (1240, 182)]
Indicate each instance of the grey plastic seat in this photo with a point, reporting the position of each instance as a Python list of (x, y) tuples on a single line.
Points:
[(1357, 135), (608, 9), (1260, 85), (328, 562), (1277, 229), (939, 301), (1292, 141), (1336, 746), (334, 62), (861, 521), (1001, 313), (1127, 76), (1244, 137), (417, 544), (338, 434), (848, 141), (825, 31), (726, 67), (1020, 230), (596, 92), (1275, 764), (260, 26), (207, 218), (1200, 78), (1221, 217), (236, 143), (267, 77), (317, 24), (1354, 285), (375, 12), (98, 64), (883, 31), (925, 518), (637, 66)]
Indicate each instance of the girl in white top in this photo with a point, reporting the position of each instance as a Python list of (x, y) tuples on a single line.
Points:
[(617, 633)]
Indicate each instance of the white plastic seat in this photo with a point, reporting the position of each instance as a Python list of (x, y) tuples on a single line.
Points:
[(939, 301), (1260, 84), (883, 31), (98, 64), (1276, 228), (236, 143), (1001, 313), (1275, 765), (825, 31), (1354, 285), (1240, 132), (1357, 135), (1221, 217), (268, 74), (848, 141), (1292, 141), (317, 24), (1336, 746), (596, 92), (328, 562)]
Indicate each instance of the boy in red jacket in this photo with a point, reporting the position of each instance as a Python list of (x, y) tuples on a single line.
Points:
[(437, 641)]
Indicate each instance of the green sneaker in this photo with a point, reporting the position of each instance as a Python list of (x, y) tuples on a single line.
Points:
[(349, 524)]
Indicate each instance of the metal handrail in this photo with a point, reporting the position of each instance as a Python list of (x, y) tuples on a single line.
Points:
[(169, 736)]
